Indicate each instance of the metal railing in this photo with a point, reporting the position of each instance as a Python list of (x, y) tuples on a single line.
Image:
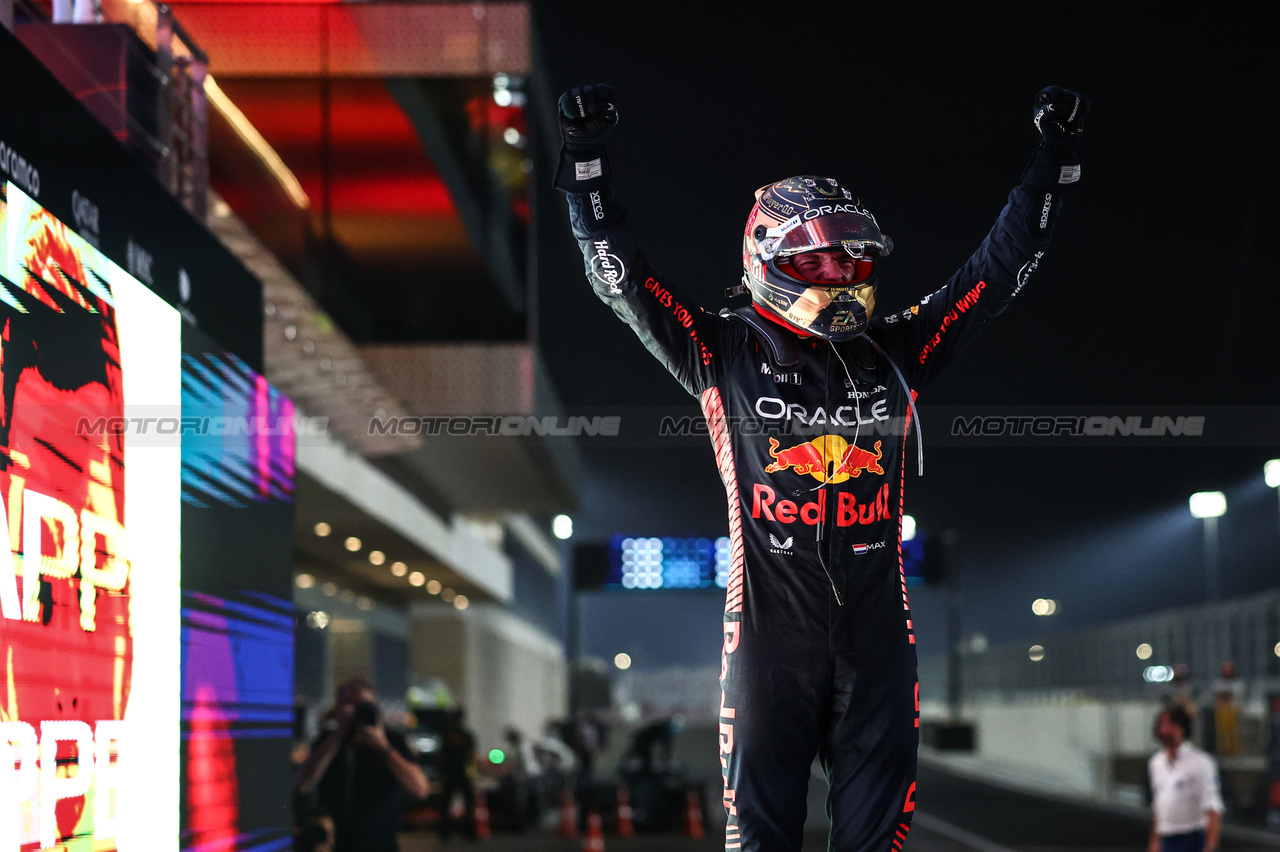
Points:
[(1105, 662), (175, 138), (182, 112)]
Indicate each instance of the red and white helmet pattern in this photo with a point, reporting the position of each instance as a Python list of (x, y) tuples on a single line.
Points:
[(803, 214)]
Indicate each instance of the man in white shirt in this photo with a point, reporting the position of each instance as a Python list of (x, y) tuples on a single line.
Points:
[(1186, 802)]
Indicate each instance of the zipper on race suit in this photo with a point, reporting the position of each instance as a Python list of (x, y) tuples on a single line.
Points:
[(824, 500)]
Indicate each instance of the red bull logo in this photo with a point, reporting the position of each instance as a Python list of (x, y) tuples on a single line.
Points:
[(765, 504), (814, 457)]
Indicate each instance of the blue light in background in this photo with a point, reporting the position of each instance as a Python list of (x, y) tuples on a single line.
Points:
[(913, 560), (637, 562)]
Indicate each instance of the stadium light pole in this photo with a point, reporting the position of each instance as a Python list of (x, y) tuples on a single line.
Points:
[(1209, 506)]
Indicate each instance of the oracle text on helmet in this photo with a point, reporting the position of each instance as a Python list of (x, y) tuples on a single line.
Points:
[(828, 209)]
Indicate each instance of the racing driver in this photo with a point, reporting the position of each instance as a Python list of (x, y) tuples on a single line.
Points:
[(819, 652)]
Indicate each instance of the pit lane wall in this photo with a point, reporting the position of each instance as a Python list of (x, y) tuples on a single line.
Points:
[(1072, 711), (1082, 748), (504, 671), (1062, 744)]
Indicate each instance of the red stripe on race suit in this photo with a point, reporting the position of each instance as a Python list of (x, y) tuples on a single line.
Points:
[(902, 490), (717, 428)]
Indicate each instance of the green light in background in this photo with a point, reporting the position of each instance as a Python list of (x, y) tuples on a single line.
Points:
[(496, 756)]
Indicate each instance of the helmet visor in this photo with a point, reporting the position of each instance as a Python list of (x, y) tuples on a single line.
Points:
[(828, 267), (855, 233)]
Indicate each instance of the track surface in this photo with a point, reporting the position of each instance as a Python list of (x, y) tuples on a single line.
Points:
[(954, 814)]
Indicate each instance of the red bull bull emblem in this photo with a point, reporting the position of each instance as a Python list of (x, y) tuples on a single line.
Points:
[(827, 451)]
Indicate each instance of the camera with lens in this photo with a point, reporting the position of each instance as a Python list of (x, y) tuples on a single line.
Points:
[(366, 713)]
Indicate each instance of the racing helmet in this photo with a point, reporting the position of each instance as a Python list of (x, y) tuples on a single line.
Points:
[(813, 214)]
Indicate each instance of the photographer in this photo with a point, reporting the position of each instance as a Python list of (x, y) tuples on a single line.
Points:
[(357, 770)]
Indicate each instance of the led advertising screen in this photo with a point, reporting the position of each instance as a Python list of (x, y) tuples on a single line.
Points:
[(147, 623), (146, 471), (237, 606), (89, 593), (649, 562)]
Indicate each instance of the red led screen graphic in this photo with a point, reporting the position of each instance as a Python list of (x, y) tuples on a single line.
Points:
[(68, 619)]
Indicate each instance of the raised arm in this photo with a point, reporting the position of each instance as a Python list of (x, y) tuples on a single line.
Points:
[(691, 343), (943, 323)]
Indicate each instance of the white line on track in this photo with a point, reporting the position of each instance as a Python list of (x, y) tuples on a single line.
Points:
[(956, 833)]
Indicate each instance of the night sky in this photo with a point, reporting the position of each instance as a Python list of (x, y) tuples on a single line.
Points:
[(1158, 288)]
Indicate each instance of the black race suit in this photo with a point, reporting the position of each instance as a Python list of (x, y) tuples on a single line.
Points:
[(819, 654)]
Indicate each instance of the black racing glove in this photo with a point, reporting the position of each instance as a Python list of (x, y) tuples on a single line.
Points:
[(1059, 115), (586, 117)]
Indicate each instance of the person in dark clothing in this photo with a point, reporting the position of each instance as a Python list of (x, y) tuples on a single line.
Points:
[(458, 769), (652, 746), (808, 395), (358, 771), (585, 733)]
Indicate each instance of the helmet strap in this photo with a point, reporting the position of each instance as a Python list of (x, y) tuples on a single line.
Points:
[(775, 317), (780, 347)]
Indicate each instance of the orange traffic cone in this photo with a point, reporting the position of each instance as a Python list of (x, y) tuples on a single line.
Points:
[(568, 814), (593, 840), (482, 816), (626, 828), (693, 815)]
